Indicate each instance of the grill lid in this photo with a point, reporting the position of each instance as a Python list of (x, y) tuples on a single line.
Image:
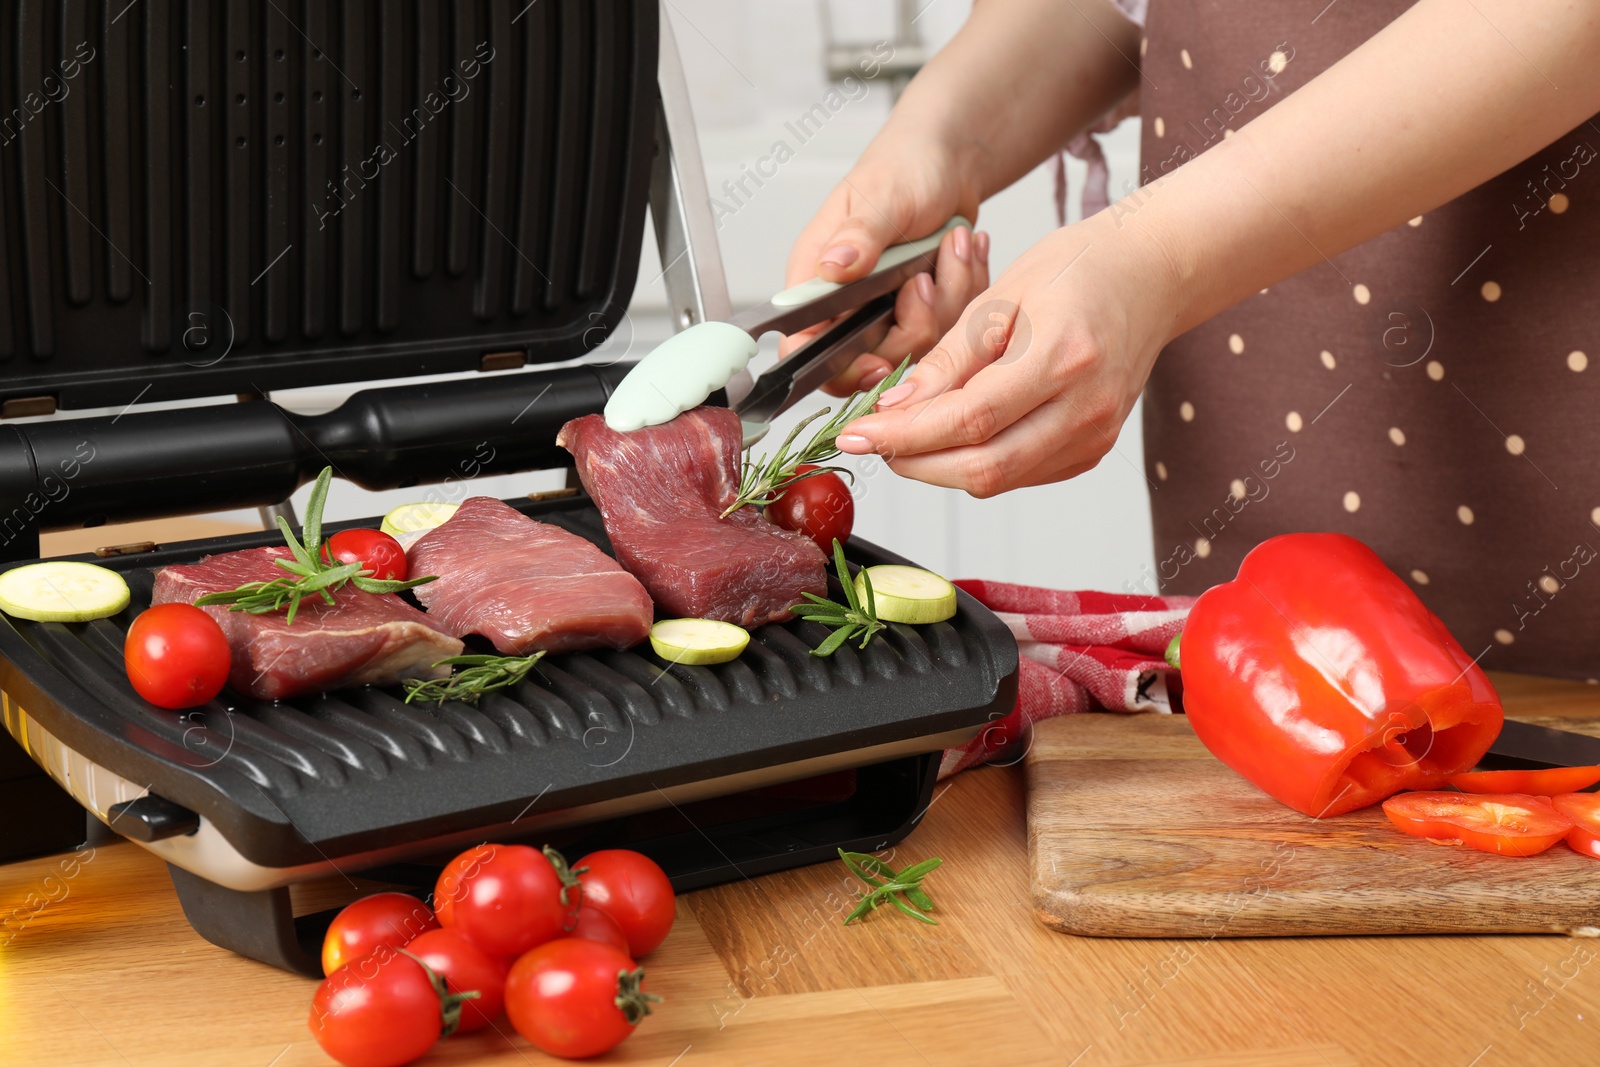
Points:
[(245, 196)]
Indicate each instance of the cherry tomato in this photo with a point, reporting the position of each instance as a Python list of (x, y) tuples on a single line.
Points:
[(1584, 811), (371, 923), (382, 1010), (633, 890), (1545, 783), (819, 507), (514, 901), (448, 889), (576, 998), (177, 656), (373, 549), (595, 925), (1511, 824), (465, 967)]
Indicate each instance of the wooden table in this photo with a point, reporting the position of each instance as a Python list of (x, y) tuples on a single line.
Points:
[(108, 974)]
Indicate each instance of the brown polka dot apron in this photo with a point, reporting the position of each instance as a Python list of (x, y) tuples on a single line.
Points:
[(1436, 395)]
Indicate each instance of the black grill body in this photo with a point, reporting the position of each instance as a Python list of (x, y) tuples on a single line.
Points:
[(223, 199), (355, 779)]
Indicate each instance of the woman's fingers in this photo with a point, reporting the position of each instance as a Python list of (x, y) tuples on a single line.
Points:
[(875, 219), (914, 321), (1048, 445), (867, 370), (982, 336), (960, 274), (927, 304), (915, 329), (970, 414)]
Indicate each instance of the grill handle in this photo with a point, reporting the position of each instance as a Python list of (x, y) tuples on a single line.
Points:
[(154, 464)]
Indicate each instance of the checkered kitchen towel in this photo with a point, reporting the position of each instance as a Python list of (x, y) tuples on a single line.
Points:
[(1081, 651)]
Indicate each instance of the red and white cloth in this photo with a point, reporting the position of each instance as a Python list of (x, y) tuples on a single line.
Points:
[(1080, 651)]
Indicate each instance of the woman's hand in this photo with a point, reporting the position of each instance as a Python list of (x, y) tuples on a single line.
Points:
[(1035, 380), (1015, 84), (888, 200)]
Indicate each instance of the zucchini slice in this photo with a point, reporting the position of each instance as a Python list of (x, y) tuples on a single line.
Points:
[(62, 591), (908, 594), (696, 642)]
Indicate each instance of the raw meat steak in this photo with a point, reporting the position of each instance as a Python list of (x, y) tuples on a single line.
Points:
[(526, 585), (662, 490), (362, 639)]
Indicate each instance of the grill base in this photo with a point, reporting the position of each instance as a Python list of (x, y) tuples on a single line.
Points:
[(887, 801), (712, 771)]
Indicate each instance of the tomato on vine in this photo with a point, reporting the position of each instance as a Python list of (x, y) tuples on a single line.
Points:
[(176, 656), (819, 506), (382, 1010), (516, 899), (576, 998), (465, 968), (382, 920), (632, 889), (374, 550)]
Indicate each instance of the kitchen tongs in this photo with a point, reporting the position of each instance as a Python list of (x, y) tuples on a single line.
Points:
[(687, 368)]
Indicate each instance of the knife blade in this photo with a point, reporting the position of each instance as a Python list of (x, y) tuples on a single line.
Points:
[(1524, 746)]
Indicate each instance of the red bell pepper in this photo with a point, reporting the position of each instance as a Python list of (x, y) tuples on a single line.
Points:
[(1508, 824), (1547, 782), (1318, 675), (1584, 811)]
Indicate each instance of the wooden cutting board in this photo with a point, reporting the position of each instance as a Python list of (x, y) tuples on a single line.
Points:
[(1135, 830)]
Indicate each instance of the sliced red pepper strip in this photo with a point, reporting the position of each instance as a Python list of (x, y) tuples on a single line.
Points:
[(1510, 824), (1584, 811), (1319, 676), (1549, 782)]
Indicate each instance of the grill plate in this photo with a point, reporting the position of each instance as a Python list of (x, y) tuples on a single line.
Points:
[(298, 781)]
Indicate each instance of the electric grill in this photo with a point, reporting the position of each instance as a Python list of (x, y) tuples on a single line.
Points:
[(184, 223)]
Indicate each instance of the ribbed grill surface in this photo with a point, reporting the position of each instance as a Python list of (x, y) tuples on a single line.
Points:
[(229, 195), (586, 726)]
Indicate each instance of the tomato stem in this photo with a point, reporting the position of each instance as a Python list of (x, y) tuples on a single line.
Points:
[(633, 1002), (568, 876), (449, 1003)]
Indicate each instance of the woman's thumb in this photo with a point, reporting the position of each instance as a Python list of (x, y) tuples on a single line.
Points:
[(855, 246)]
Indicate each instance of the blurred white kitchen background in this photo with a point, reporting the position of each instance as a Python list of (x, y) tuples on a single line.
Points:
[(753, 67)]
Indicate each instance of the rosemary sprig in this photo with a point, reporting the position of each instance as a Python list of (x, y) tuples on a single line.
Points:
[(903, 889), (848, 619), (766, 479), (314, 574), (483, 674)]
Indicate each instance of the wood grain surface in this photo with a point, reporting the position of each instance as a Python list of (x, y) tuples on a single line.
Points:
[(1137, 831), (99, 969)]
